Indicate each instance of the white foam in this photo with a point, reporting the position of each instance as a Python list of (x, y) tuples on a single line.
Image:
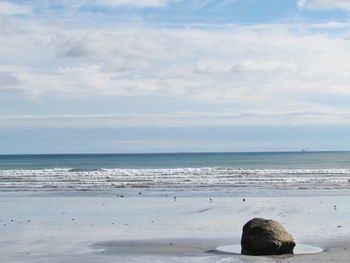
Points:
[(67, 179)]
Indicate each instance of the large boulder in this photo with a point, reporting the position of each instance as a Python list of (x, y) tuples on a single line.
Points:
[(266, 237)]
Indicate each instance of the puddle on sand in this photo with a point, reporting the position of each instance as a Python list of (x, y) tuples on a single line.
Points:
[(299, 249)]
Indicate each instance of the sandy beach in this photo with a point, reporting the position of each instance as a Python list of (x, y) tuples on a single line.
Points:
[(68, 228)]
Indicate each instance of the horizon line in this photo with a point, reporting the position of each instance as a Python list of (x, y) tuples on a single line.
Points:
[(185, 152)]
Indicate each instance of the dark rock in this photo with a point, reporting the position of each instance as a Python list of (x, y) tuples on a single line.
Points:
[(266, 237)]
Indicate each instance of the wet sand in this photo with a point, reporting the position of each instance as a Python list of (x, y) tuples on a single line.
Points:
[(141, 229)]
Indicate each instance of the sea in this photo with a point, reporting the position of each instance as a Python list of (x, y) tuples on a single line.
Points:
[(179, 174)]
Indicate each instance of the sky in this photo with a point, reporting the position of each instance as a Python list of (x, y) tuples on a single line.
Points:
[(125, 76)]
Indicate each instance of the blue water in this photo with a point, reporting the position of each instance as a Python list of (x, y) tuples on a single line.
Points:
[(275, 160), (214, 174)]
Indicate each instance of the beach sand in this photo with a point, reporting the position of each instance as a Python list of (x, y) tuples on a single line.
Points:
[(67, 228)]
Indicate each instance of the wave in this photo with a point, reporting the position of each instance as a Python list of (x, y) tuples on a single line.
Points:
[(187, 178), (84, 169)]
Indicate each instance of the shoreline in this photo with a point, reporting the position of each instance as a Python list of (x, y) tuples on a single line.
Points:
[(168, 193)]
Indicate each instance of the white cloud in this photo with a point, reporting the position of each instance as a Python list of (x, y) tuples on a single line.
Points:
[(180, 119), (264, 66), (7, 80), (131, 3), (249, 69), (217, 67), (7, 8), (324, 4), (247, 64), (331, 25)]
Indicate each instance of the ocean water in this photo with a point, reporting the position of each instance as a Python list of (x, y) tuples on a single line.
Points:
[(188, 174)]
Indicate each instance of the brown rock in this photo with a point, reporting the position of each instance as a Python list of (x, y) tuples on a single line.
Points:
[(266, 237)]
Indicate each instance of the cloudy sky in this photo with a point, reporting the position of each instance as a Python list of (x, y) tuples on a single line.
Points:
[(79, 76)]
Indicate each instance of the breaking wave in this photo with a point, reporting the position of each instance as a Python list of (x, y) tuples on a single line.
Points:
[(186, 178)]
